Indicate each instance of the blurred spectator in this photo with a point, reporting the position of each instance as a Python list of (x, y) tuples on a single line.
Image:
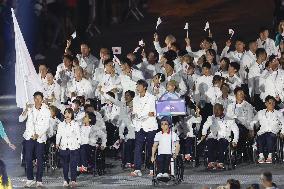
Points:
[(5, 182), (266, 180)]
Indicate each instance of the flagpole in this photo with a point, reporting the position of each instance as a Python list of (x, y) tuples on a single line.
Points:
[(186, 33)]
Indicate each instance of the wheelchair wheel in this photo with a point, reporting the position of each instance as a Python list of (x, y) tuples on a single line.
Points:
[(155, 182)]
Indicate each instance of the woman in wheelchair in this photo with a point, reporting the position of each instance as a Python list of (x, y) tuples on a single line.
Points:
[(166, 142), (270, 123), (219, 136)]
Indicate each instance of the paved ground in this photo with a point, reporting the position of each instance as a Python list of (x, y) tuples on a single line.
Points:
[(222, 14)]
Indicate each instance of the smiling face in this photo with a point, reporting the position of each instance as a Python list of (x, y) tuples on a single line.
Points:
[(270, 105), (140, 88), (165, 126), (38, 100)]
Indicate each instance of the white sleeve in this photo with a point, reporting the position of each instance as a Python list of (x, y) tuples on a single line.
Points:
[(235, 130), (225, 52), (206, 126), (158, 48)]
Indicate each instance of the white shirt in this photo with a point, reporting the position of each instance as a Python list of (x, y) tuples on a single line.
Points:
[(148, 70), (234, 56), (53, 123), (111, 113), (221, 128), (85, 132), (268, 45), (129, 83), (89, 63), (43, 80), (48, 90), (141, 107), (226, 101), (96, 133), (246, 62), (269, 122), (189, 123), (82, 88), (253, 78), (213, 94), (68, 135), (271, 84), (37, 123), (202, 86), (167, 142), (243, 113), (178, 78), (234, 82), (63, 76)]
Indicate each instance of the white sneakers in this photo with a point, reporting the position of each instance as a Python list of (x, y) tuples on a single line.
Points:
[(30, 183), (65, 184), (166, 175), (39, 185), (136, 173)]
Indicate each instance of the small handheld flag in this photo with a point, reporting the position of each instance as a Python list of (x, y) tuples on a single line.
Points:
[(116, 50), (159, 21), (74, 35), (231, 32), (186, 28)]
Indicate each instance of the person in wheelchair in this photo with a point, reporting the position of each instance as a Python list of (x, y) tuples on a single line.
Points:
[(167, 143), (270, 121), (190, 134), (88, 122), (218, 139), (243, 113), (97, 141)]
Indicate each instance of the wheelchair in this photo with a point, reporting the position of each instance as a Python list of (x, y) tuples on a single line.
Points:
[(230, 162), (52, 158), (98, 159), (277, 155), (176, 170)]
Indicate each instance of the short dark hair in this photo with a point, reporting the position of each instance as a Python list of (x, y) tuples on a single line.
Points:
[(219, 106), (267, 176), (170, 55), (217, 78), (206, 65), (131, 93), (182, 52), (92, 117), (259, 51), (68, 56), (107, 61), (143, 83), (171, 63), (237, 89), (263, 28), (176, 45), (162, 77), (234, 184), (77, 101), (85, 43), (71, 111), (110, 93), (208, 39), (269, 97), (235, 65), (38, 93), (126, 61)]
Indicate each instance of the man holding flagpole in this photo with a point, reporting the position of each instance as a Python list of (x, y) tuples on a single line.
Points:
[(28, 86), (38, 116)]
